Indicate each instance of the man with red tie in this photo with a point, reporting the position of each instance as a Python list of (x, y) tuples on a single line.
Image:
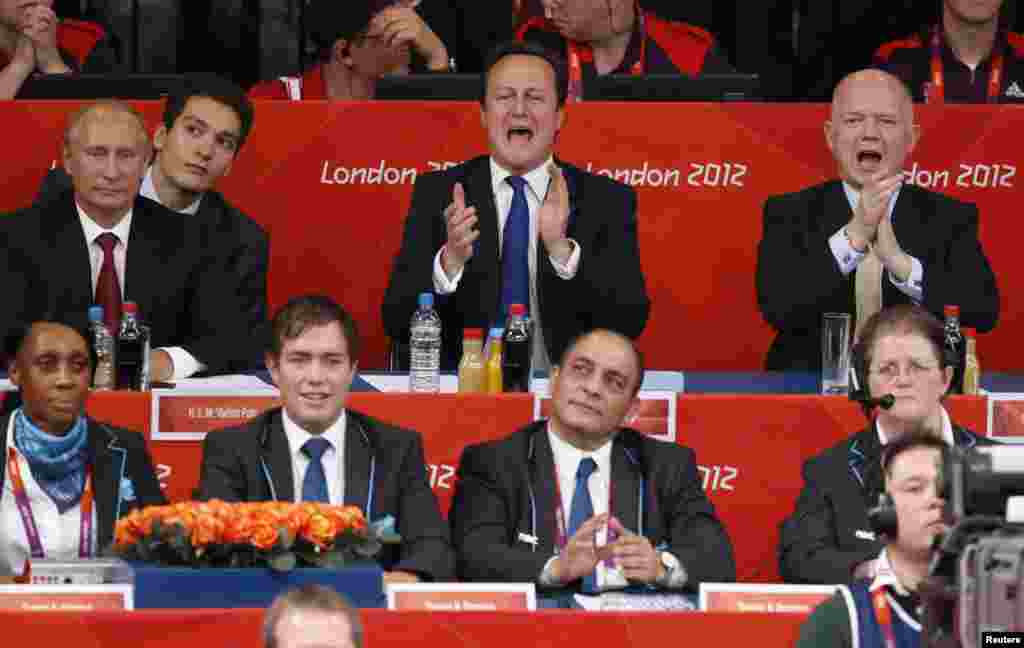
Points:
[(102, 243)]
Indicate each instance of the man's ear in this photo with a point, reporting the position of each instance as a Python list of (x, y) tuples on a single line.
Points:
[(271, 361), (160, 138), (341, 51)]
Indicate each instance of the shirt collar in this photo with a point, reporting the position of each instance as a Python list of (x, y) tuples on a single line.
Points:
[(853, 196), (537, 179), (569, 456), (885, 576), (947, 429), (148, 190), (92, 229), (297, 436)]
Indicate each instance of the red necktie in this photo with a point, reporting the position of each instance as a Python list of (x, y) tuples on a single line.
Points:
[(108, 288)]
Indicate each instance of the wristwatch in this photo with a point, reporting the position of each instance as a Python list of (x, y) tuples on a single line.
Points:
[(671, 564)]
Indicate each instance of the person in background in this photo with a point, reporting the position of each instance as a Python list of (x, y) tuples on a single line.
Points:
[(312, 616), (970, 56), (827, 539), (580, 503), (34, 41), (885, 604), (358, 42), (867, 239), (315, 449), (599, 37), (65, 477), (518, 227), (62, 255)]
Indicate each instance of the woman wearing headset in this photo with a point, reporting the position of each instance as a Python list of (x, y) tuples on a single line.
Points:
[(827, 539)]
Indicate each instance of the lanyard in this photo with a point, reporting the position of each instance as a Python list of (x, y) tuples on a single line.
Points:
[(580, 53), (937, 92), (883, 613), (29, 520), (561, 526)]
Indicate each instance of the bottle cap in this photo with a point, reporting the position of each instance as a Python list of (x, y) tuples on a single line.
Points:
[(95, 313), (497, 332), (130, 308), (969, 332), (473, 334), (516, 309), (426, 299), (951, 311)]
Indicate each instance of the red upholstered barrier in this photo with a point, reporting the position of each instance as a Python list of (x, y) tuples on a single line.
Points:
[(331, 182), (750, 446), (544, 629)]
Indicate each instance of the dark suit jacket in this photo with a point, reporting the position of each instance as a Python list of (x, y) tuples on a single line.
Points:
[(115, 455), (500, 482), (231, 236), (798, 278), (237, 461), (182, 289), (818, 543), (608, 290)]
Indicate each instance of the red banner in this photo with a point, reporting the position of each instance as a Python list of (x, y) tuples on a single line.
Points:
[(331, 182), (750, 448)]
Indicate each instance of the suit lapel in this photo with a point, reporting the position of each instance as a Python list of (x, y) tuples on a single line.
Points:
[(109, 462), (5, 421), (908, 220), (69, 242), (625, 485), (143, 258), (358, 458), (486, 260), (543, 476), (836, 208), (277, 456)]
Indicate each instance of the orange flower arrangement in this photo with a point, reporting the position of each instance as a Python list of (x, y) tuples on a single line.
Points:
[(276, 534)]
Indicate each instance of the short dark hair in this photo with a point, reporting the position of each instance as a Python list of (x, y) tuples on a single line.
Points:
[(908, 319), (637, 353), (330, 20), (527, 48), (220, 90), (305, 311), (314, 598), (917, 438), (20, 334)]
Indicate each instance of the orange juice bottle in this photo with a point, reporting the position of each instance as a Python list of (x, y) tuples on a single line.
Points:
[(493, 368), (471, 367)]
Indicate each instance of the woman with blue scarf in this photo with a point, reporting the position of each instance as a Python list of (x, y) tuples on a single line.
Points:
[(65, 478)]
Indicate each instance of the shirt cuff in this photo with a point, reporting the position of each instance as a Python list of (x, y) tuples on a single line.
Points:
[(913, 286), (442, 284), (567, 271), (547, 575), (847, 258), (185, 364)]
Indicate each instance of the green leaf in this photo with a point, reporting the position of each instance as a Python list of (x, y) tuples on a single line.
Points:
[(282, 562)]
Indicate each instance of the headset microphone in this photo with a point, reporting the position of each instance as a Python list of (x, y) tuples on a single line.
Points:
[(861, 395)]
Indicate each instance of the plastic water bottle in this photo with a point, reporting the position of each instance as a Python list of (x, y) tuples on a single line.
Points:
[(425, 347), (104, 376), (132, 351)]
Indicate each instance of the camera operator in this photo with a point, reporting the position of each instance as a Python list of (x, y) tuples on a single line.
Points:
[(883, 611)]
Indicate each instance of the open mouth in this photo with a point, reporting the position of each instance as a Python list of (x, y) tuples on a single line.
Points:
[(869, 160), (520, 136)]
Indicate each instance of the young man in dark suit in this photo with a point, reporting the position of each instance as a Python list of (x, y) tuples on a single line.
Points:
[(867, 240), (518, 227), (577, 502), (314, 449), (102, 243)]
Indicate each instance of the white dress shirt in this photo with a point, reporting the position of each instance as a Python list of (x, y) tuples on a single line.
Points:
[(333, 459), (148, 190), (567, 461), (58, 533), (185, 364), (849, 258), (537, 188)]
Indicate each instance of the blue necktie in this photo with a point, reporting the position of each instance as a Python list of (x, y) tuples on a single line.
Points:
[(582, 510), (515, 250), (314, 484)]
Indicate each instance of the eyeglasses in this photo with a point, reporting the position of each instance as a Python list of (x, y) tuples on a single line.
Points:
[(890, 371)]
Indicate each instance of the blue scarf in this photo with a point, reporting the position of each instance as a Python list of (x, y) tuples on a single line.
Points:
[(57, 462)]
